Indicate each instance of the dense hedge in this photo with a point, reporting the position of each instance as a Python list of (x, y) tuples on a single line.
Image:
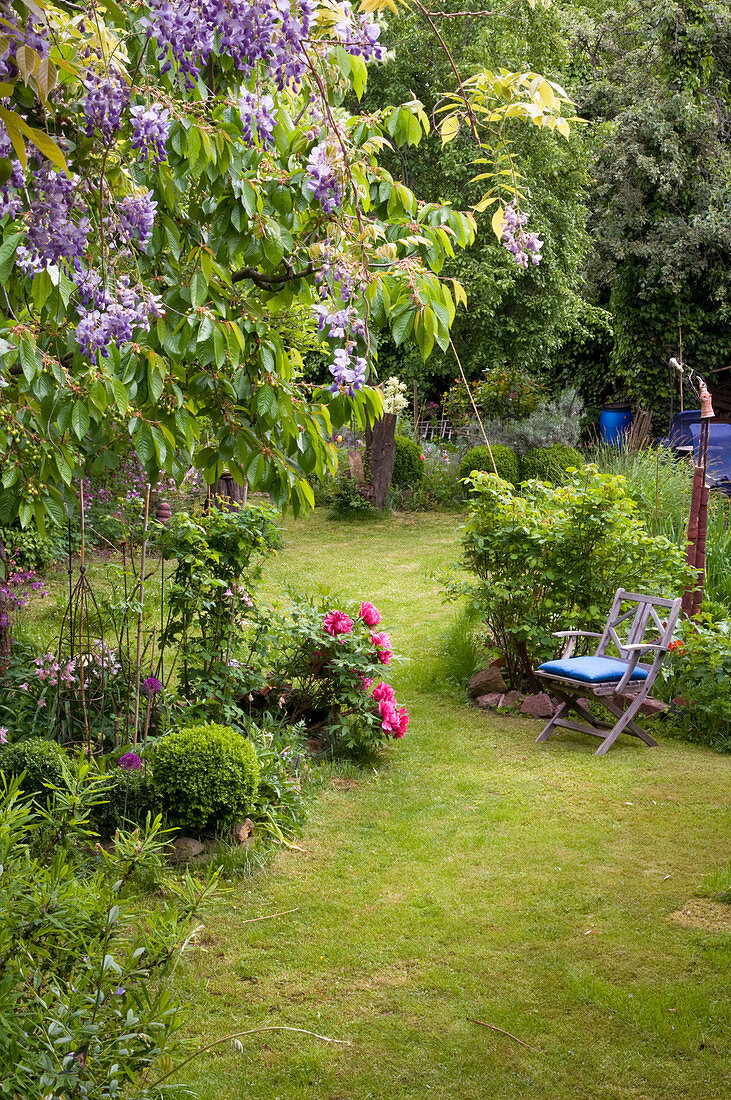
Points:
[(478, 458), (550, 463), (408, 467)]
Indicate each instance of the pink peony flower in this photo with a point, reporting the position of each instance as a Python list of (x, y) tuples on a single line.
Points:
[(337, 622), (384, 656), (384, 691), (365, 681), (403, 722), (370, 615), (389, 717)]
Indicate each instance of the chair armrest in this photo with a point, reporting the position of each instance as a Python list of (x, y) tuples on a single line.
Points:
[(641, 646)]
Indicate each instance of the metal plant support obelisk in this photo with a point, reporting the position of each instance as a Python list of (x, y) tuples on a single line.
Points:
[(698, 518)]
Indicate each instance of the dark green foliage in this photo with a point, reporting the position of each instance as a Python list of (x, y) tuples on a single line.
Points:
[(478, 458), (348, 503), (206, 777), (129, 799), (514, 317), (657, 72), (408, 467), (552, 558), (218, 557), (43, 762), (550, 463)]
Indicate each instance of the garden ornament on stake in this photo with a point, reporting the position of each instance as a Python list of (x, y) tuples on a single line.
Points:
[(698, 518)]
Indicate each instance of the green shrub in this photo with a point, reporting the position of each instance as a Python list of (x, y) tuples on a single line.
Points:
[(408, 467), (552, 558), (86, 1008), (349, 503), (129, 799), (698, 671), (550, 463), (34, 551), (478, 458), (508, 393), (207, 776), (43, 762)]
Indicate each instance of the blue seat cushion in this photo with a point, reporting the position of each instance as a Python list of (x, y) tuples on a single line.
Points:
[(592, 670)]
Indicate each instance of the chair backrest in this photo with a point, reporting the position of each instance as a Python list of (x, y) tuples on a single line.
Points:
[(646, 615)]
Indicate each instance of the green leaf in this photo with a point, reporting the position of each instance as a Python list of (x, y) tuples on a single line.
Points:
[(28, 357), (80, 419), (198, 288)]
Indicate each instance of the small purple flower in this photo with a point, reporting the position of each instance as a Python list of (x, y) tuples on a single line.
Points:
[(130, 761), (3, 735), (151, 686)]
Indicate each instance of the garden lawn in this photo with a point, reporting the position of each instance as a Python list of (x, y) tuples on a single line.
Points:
[(537, 888)]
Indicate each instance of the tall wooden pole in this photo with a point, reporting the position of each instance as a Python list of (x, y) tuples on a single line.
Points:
[(698, 518)]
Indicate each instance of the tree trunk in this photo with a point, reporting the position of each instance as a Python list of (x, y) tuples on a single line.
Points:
[(380, 455), (229, 490)]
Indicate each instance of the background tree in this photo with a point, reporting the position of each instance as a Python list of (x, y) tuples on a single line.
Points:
[(654, 76), (519, 317)]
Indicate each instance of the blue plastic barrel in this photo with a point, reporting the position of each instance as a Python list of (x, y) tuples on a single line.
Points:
[(613, 423)]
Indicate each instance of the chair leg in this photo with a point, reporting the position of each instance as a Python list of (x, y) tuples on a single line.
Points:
[(623, 722), (551, 725), (632, 726)]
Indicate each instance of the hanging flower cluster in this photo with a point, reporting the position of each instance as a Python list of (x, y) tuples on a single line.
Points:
[(522, 246)]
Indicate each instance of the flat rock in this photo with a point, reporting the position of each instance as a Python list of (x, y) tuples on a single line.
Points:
[(187, 847), (492, 699), (537, 706), (486, 681), (242, 830)]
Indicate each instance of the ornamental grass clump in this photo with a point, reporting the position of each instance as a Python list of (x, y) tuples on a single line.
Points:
[(206, 777), (552, 557)]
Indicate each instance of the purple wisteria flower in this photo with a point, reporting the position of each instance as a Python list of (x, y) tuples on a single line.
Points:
[(53, 233), (151, 686), (349, 373), (150, 130), (111, 315), (105, 100), (130, 762), (137, 216), (259, 118), (324, 181), (521, 245), (359, 34)]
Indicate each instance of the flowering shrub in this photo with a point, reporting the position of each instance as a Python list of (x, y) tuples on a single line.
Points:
[(331, 679), (211, 612), (697, 671)]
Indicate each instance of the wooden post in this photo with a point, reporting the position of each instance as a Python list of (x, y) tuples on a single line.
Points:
[(698, 518), (381, 455)]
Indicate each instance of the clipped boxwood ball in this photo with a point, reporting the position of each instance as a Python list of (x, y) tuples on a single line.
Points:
[(550, 463), (206, 777), (43, 762), (408, 468), (478, 458)]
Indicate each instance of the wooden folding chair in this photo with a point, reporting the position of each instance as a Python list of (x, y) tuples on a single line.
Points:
[(608, 679)]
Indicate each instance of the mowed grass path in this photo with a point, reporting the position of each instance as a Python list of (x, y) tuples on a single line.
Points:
[(537, 888)]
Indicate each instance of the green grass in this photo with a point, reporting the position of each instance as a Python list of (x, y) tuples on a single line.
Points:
[(543, 890)]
